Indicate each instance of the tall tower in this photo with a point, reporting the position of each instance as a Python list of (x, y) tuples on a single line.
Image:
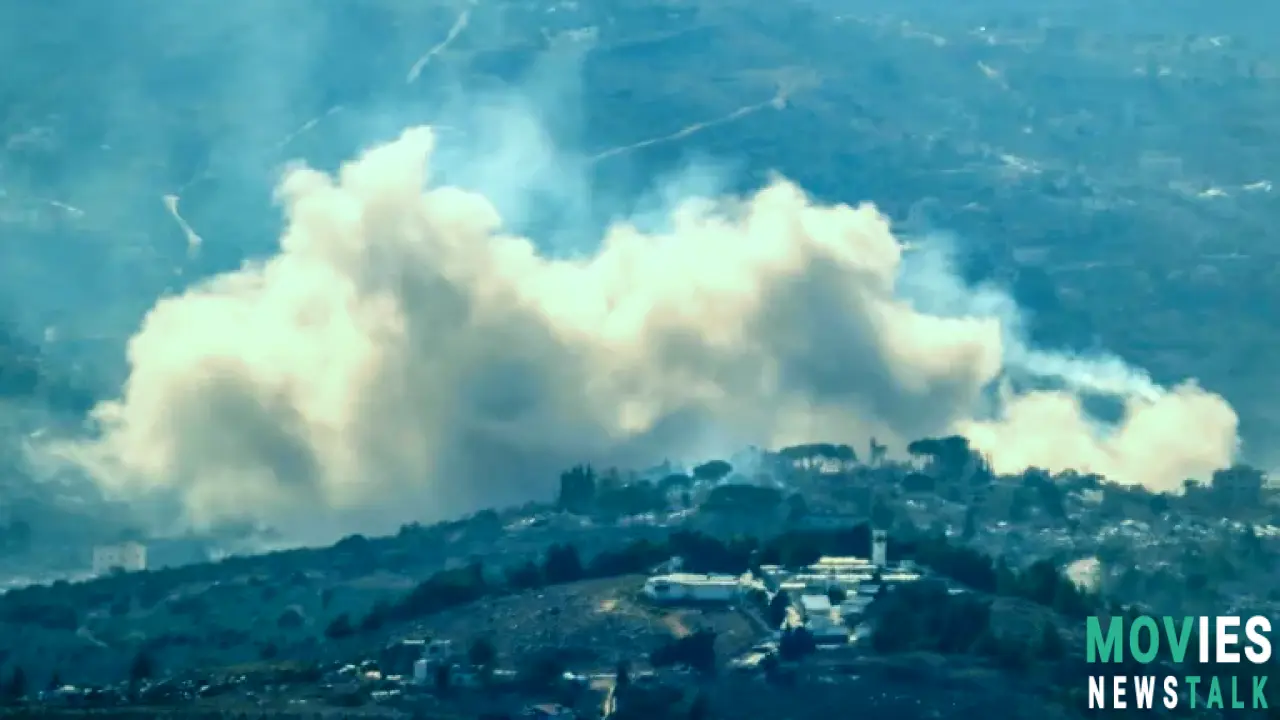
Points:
[(879, 548)]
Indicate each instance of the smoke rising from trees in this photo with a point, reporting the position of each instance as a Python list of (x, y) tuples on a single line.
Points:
[(403, 356)]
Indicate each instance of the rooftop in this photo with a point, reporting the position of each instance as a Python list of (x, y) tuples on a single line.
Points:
[(815, 603), (834, 560), (696, 579)]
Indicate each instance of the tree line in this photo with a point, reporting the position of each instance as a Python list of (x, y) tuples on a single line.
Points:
[(1041, 583)]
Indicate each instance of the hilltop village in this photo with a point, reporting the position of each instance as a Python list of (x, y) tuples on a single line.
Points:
[(793, 583)]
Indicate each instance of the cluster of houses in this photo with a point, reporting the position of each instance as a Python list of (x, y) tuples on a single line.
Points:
[(426, 663), (827, 598)]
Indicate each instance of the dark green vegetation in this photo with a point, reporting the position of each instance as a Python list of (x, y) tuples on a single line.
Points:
[(310, 603), (1022, 623), (1042, 650), (915, 618), (559, 564)]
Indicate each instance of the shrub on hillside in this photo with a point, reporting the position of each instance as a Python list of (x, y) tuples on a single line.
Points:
[(339, 627), (697, 651), (52, 616), (290, 618)]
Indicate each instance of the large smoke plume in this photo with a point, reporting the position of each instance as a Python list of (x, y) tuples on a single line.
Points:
[(403, 353), (402, 356)]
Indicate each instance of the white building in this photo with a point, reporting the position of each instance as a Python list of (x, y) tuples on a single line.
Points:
[(811, 583), (815, 606), (822, 621), (898, 578), (688, 587), (854, 606), (127, 557), (422, 671), (773, 574), (434, 654), (830, 564), (792, 587), (879, 548)]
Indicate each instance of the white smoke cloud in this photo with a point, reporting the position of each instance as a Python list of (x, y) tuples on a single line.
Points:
[(1086, 573), (1163, 438), (403, 357)]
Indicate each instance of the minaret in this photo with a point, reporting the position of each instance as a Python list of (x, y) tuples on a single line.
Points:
[(879, 548)]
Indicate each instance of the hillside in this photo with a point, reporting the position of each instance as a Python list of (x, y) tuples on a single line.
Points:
[(981, 595), (222, 614), (1080, 152)]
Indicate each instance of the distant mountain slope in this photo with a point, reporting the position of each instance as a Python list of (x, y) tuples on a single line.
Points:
[(1109, 164)]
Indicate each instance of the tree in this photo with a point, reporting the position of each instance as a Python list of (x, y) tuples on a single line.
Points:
[(577, 490), (1019, 506), (1159, 503), (16, 687), (770, 664), (1006, 579), (1251, 546), (442, 677), (796, 643), (339, 628), (970, 523), (797, 508), (562, 564), (485, 525), (542, 669), (377, 617), (713, 471), (290, 618), (525, 576), (700, 709), (778, 609), (949, 456), (142, 668), (482, 654), (748, 499), (915, 482), (1052, 498), (878, 452), (697, 651), (673, 482), (1052, 646), (633, 498), (882, 515), (814, 453), (802, 554)]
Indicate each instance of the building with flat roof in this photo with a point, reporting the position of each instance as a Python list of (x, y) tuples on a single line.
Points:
[(815, 605), (823, 623), (837, 562), (125, 557), (691, 587)]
